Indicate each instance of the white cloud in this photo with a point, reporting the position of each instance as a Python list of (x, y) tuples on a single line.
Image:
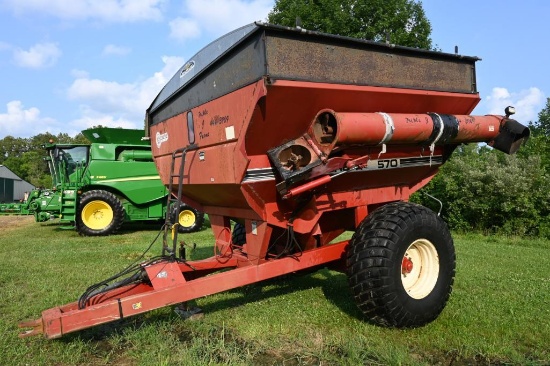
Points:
[(38, 56), (113, 50), (184, 28), (221, 16), (528, 103), (105, 101), (17, 120), (101, 102), (90, 118), (217, 17), (79, 74), (116, 11)]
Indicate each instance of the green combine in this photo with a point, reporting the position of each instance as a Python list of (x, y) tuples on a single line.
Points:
[(98, 187)]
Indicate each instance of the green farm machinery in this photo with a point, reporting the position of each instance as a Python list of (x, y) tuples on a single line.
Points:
[(43, 203), (98, 187)]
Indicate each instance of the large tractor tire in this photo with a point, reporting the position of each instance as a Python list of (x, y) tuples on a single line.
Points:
[(189, 219), (401, 265), (99, 213), (238, 235)]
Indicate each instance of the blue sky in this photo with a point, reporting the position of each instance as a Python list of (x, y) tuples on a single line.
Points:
[(66, 65)]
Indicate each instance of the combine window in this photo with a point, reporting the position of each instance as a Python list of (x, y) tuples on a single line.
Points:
[(68, 159)]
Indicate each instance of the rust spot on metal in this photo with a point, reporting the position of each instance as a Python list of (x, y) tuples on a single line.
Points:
[(353, 65)]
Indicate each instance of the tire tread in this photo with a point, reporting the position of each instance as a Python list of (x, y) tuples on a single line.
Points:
[(372, 255), (105, 196)]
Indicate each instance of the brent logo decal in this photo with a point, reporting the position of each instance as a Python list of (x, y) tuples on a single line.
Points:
[(186, 68), (160, 138)]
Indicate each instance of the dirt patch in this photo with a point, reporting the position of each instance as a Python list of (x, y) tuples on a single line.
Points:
[(15, 221)]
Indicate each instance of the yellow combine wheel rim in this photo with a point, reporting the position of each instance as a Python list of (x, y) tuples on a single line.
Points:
[(97, 215), (187, 218)]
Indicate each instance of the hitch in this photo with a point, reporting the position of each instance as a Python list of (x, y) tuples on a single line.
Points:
[(37, 326)]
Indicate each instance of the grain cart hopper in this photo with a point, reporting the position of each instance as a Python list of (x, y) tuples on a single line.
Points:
[(287, 138)]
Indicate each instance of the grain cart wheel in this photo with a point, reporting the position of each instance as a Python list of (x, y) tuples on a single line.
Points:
[(401, 265), (189, 219), (238, 235), (99, 213)]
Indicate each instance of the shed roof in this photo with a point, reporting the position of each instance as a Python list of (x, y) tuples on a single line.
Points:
[(5, 172)]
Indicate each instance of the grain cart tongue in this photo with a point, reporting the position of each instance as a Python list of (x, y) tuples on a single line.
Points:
[(288, 138)]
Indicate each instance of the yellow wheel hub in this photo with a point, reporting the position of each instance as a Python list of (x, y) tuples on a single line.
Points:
[(187, 218), (97, 215)]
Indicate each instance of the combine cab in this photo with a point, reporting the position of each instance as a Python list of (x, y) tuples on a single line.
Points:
[(287, 139)]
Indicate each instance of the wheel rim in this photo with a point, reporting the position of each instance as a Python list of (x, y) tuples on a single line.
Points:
[(97, 215), (420, 269), (187, 218)]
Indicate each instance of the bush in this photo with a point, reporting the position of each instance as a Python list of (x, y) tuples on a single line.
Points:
[(491, 192)]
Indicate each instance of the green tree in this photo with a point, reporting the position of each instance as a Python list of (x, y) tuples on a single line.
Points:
[(488, 191), (539, 142), (404, 21), (25, 156), (80, 139), (33, 168), (12, 147), (542, 127)]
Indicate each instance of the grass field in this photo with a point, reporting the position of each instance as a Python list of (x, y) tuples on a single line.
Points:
[(499, 312)]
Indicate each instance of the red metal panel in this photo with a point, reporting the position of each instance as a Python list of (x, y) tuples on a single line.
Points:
[(293, 104), (165, 275), (216, 123), (476, 128), (370, 128)]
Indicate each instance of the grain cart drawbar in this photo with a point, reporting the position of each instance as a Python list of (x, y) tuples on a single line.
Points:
[(286, 138)]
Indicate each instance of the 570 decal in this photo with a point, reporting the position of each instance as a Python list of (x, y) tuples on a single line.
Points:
[(387, 163), (376, 164)]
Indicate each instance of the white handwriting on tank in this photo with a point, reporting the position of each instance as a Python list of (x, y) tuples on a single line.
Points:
[(160, 138)]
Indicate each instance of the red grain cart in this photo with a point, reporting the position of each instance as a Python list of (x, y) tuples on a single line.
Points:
[(286, 138)]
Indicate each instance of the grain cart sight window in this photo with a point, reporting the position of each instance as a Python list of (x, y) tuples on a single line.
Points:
[(190, 128)]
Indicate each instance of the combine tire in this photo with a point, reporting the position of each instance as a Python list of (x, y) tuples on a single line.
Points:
[(401, 265), (189, 219), (99, 213)]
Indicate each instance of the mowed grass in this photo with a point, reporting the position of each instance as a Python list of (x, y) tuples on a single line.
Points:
[(499, 312)]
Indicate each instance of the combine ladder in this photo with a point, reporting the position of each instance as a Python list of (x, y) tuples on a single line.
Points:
[(68, 205), (69, 198)]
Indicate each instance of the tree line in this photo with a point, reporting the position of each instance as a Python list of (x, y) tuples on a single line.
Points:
[(25, 156)]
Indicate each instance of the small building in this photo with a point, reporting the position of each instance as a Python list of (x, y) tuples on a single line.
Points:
[(12, 188)]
